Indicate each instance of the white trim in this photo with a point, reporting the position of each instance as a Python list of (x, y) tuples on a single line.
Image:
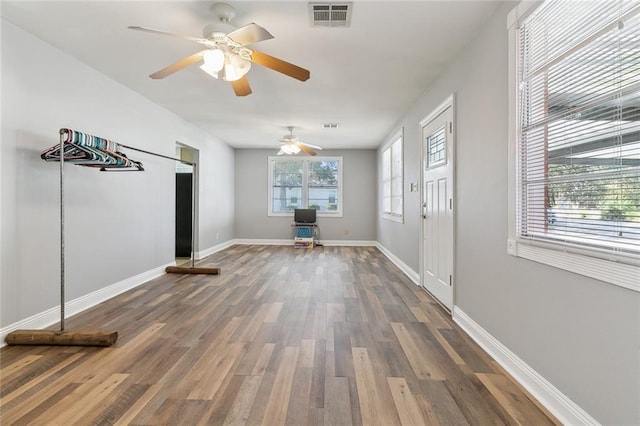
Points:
[(410, 273), (559, 404), (512, 164), (290, 242), (263, 242), (211, 250), (51, 316), (348, 243), (521, 11), (393, 218), (448, 102), (388, 146), (608, 271)]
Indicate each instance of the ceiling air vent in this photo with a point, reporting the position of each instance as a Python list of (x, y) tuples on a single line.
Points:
[(330, 14)]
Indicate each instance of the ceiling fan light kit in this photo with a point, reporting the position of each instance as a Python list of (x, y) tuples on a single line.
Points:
[(234, 65), (213, 62), (226, 53), (291, 145), (289, 149)]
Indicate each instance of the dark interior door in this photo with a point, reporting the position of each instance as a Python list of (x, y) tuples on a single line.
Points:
[(184, 204)]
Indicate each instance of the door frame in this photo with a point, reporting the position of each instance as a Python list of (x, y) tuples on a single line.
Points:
[(448, 102)]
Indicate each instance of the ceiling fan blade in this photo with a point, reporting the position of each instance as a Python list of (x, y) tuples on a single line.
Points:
[(177, 66), (249, 34), (241, 87), (307, 149), (309, 145), (153, 31), (280, 65)]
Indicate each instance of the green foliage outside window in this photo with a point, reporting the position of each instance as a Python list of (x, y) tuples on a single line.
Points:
[(615, 198)]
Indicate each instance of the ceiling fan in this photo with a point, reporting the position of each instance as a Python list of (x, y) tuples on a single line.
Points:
[(226, 55), (291, 145)]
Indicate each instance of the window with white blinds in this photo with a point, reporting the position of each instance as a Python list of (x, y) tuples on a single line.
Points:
[(578, 127), (392, 179)]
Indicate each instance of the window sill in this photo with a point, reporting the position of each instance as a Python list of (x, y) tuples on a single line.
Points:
[(393, 218), (318, 214), (329, 214), (611, 271)]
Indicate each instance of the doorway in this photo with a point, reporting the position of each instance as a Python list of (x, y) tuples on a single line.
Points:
[(437, 223), (185, 222)]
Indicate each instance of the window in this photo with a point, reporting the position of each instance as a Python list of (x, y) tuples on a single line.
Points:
[(436, 148), (392, 169), (576, 146), (300, 183)]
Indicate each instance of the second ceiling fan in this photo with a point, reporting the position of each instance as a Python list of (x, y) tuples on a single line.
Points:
[(291, 145), (226, 55)]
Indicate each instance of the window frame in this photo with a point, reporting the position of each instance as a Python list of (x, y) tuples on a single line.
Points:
[(618, 269), (397, 138), (304, 202)]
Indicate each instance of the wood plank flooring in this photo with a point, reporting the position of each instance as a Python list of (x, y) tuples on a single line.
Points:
[(322, 336)]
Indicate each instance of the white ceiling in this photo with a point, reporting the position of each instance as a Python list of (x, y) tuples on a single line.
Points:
[(364, 77)]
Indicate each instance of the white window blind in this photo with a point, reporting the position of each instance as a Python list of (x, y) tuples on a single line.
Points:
[(578, 147), (392, 179)]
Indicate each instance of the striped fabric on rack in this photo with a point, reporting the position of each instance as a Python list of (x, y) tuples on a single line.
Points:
[(91, 151), (73, 136)]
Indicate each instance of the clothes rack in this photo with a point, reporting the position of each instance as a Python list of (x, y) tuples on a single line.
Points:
[(89, 151)]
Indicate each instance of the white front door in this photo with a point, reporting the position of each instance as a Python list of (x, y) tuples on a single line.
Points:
[(437, 205)]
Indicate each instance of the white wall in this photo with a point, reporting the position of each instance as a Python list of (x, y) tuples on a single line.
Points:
[(359, 198), (118, 225), (582, 335)]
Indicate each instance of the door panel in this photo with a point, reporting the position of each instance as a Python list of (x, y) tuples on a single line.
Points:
[(437, 202), (443, 230), (429, 231)]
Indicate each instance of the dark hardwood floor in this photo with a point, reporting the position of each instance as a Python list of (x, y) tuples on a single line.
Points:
[(329, 335)]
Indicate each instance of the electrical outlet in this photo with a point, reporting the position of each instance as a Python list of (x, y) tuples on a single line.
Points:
[(217, 236)]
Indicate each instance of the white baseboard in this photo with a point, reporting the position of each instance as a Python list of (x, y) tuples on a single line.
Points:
[(348, 243), (560, 405), (289, 242), (211, 250), (82, 303), (410, 273), (263, 242)]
